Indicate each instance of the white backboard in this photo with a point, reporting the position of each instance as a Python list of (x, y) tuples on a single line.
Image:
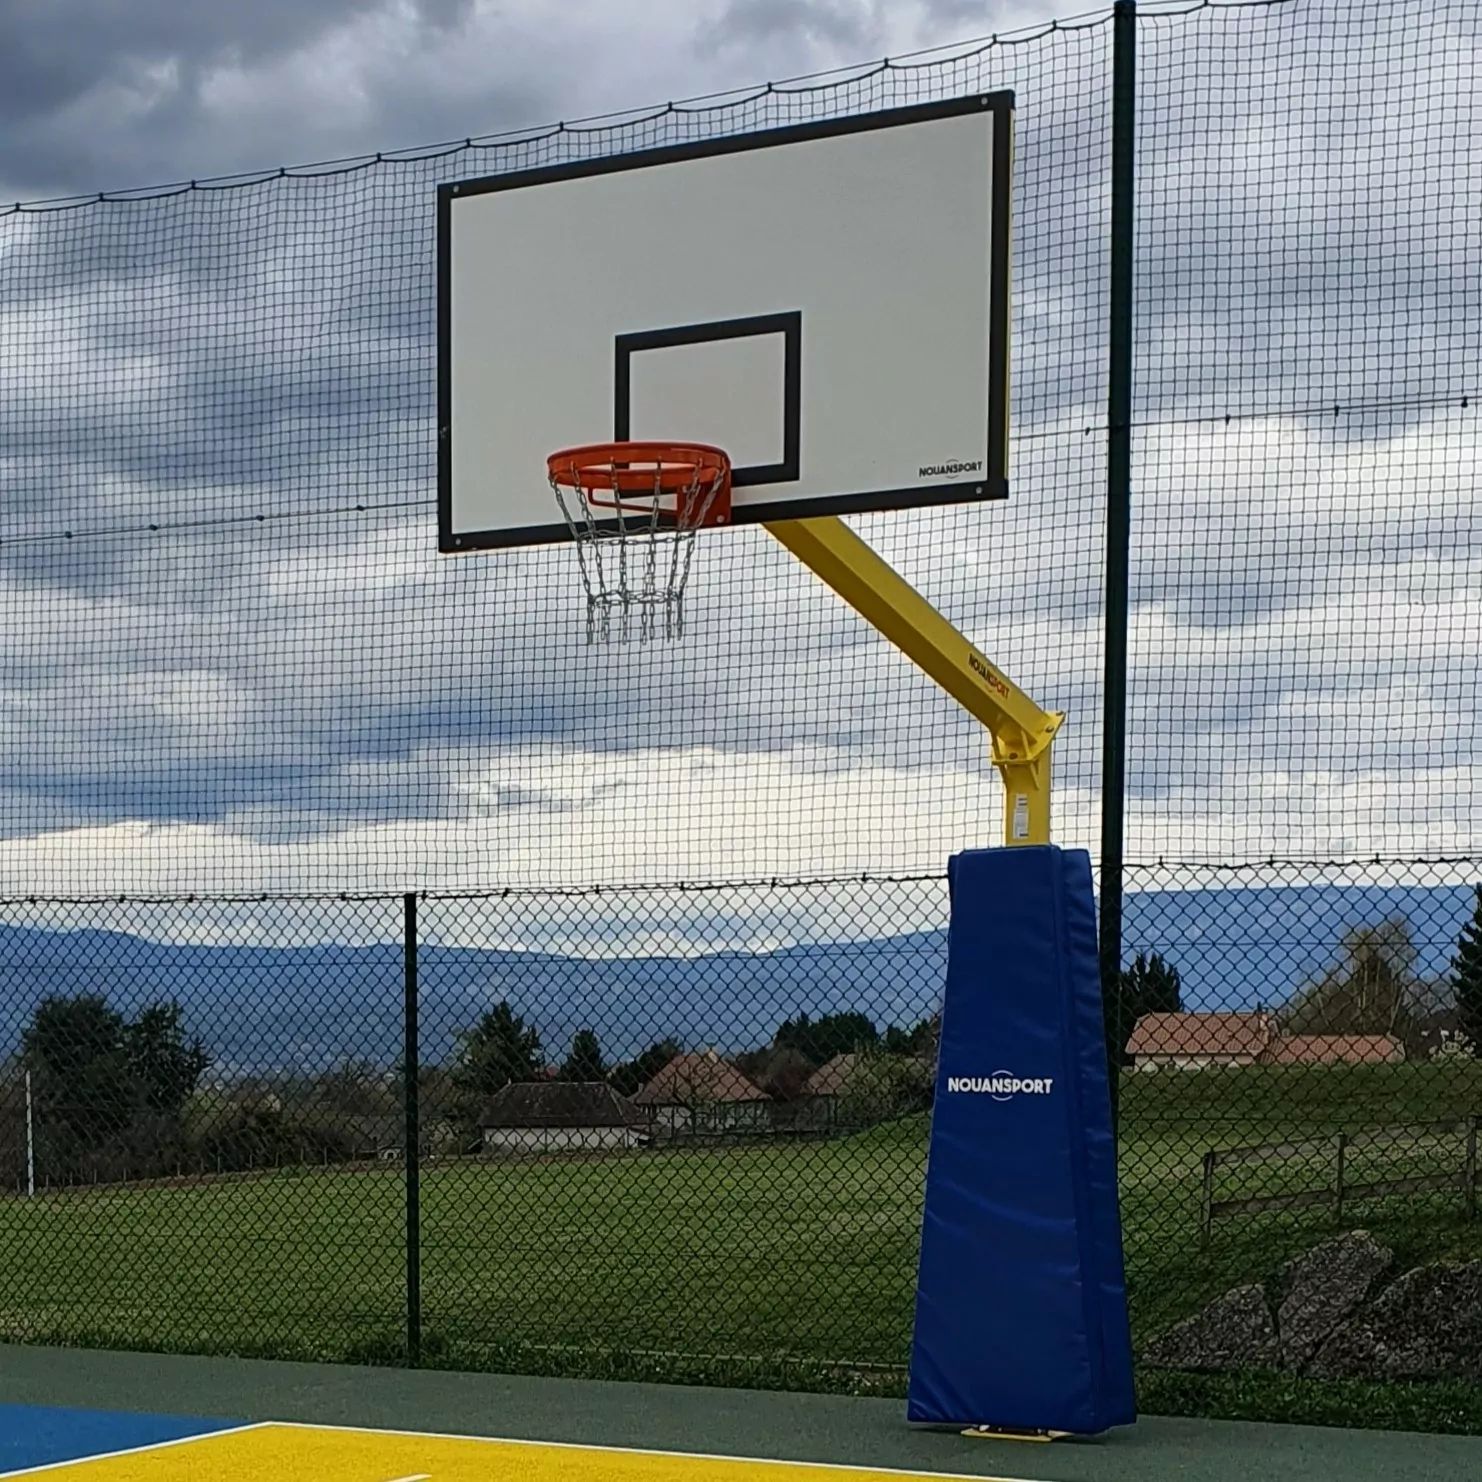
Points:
[(829, 303)]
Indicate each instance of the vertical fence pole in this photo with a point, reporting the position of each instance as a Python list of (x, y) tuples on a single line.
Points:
[(30, 1142), (1340, 1157), (1118, 524), (411, 1066), (1206, 1199), (1470, 1194)]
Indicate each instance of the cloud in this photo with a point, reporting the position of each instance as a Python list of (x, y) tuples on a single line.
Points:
[(841, 23), (90, 85), (359, 709), (94, 96), (848, 30), (316, 700)]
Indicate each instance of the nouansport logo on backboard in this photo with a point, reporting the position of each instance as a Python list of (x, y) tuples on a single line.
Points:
[(953, 468), (1001, 1085)]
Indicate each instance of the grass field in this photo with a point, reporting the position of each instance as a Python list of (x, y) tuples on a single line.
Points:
[(806, 1250), (773, 1264), (1169, 1120)]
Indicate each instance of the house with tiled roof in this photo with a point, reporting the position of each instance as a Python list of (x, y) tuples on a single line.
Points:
[(1198, 1041), (560, 1116), (832, 1076), (702, 1095), (1334, 1049)]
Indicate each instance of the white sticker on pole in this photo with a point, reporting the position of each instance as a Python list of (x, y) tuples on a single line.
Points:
[(1020, 829)]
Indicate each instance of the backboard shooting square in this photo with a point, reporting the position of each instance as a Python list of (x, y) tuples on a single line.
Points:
[(827, 302), (736, 385)]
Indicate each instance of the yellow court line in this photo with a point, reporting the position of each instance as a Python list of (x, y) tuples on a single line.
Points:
[(848, 1469), (322, 1453)]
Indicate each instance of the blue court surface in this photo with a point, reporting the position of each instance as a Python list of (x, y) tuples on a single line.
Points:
[(38, 1436)]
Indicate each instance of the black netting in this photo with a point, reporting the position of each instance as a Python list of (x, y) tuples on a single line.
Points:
[(669, 1122)]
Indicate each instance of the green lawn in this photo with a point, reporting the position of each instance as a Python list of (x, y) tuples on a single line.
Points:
[(1169, 1120), (780, 1264), (804, 1251)]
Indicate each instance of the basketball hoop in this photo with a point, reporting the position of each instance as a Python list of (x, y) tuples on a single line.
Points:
[(633, 509)]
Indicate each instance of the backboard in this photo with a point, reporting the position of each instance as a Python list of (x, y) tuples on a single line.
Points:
[(828, 302)]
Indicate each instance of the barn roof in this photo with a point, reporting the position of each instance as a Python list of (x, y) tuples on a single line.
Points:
[(688, 1080), (1335, 1049), (559, 1104), (1201, 1034), (829, 1078)]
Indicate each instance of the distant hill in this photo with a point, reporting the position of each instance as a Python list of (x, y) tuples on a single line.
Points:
[(308, 1008), (1237, 949), (312, 1007)]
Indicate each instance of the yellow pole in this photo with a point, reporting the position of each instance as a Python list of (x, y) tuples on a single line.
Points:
[(1022, 732)]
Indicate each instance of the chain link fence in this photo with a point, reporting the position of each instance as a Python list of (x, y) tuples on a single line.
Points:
[(679, 1131), (697, 1151)]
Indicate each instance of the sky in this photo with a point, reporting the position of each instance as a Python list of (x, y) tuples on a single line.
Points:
[(105, 95), (232, 661)]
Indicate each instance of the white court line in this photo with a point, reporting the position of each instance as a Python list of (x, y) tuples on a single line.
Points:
[(74, 1461), (417, 1477), (775, 1461)]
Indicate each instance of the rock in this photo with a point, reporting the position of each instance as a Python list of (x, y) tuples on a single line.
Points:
[(1324, 1287), (1236, 1331), (1426, 1325)]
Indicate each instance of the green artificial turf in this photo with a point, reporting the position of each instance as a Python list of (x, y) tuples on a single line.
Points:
[(788, 1265)]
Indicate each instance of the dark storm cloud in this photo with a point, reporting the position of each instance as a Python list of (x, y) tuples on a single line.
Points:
[(103, 95), (97, 94), (172, 357), (58, 52), (261, 342)]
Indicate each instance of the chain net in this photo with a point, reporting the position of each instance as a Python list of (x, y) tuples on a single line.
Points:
[(633, 511)]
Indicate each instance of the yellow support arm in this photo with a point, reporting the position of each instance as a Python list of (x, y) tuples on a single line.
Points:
[(1022, 732)]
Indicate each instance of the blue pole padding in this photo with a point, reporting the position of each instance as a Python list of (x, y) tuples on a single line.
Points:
[(1021, 1301)]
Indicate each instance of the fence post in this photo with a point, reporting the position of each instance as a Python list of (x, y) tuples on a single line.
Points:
[(1118, 527), (1470, 1195), (30, 1142), (411, 1066), (1206, 1200), (1340, 1149)]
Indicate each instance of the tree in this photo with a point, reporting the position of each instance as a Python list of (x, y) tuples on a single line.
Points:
[(631, 1076), (882, 1086), (109, 1094), (356, 1088), (499, 1049), (584, 1063), (434, 1090), (75, 1048), (1150, 986), (1466, 979), (1372, 989), (819, 1040), (12, 1125), (782, 1074), (165, 1070), (920, 1039)]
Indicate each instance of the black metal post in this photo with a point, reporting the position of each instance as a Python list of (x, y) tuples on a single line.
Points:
[(411, 1066), (1118, 524)]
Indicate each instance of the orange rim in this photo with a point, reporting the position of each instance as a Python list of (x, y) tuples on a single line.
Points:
[(641, 468)]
